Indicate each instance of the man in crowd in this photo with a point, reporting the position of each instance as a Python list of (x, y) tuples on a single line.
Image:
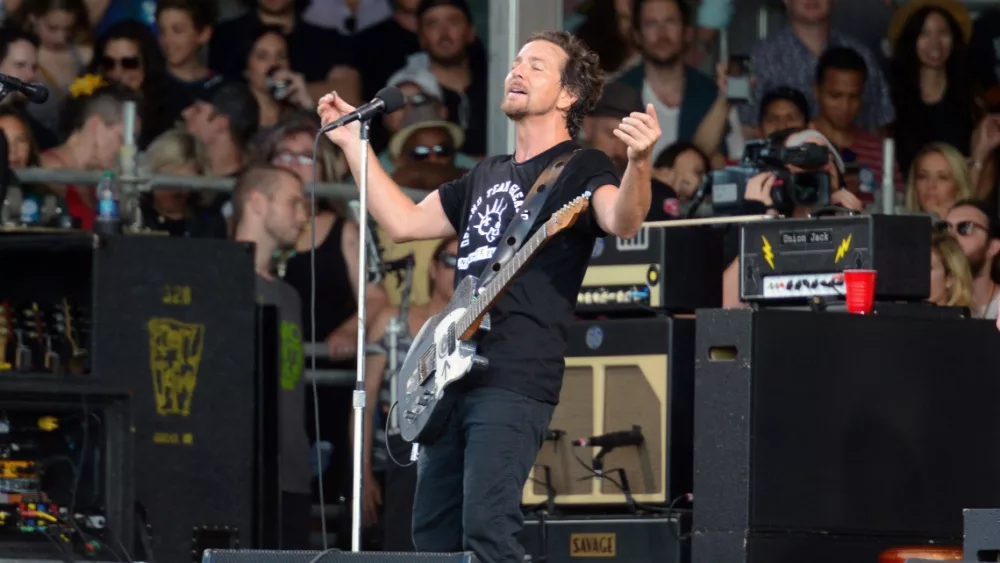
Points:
[(617, 101), (447, 38), (382, 49), (224, 122), (788, 58), (270, 211), (841, 74), (977, 230), (681, 95)]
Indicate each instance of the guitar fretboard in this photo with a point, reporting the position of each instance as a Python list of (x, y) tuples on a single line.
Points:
[(489, 293)]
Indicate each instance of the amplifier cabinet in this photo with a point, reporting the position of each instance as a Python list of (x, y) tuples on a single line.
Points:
[(814, 426), (333, 556), (174, 321), (621, 373), (615, 539)]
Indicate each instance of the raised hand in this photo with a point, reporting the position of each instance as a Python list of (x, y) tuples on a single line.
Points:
[(332, 107), (639, 131)]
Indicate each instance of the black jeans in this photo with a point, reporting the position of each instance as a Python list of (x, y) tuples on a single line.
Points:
[(470, 480)]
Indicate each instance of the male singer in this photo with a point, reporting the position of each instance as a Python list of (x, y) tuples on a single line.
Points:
[(470, 480)]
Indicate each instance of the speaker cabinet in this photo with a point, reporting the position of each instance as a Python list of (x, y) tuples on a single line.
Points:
[(619, 374), (333, 556), (825, 437)]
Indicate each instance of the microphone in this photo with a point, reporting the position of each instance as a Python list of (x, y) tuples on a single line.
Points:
[(611, 440), (374, 262), (36, 93), (387, 100)]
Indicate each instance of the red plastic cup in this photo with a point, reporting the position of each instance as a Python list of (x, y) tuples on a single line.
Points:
[(860, 291)]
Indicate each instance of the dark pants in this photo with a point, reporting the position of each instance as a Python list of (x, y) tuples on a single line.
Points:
[(470, 480), (397, 499)]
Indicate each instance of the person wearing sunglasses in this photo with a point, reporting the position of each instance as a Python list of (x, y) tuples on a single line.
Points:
[(388, 488), (977, 230)]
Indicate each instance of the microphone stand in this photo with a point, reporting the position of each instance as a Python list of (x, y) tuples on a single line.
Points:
[(359, 385)]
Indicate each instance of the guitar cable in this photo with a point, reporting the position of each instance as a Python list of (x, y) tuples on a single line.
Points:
[(312, 335), (388, 448)]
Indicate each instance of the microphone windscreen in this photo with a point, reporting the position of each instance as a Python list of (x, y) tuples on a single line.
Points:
[(37, 93), (392, 97)]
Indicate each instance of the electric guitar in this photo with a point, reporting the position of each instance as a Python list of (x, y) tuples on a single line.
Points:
[(444, 351)]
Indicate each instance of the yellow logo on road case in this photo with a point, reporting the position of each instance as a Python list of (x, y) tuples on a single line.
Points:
[(175, 350)]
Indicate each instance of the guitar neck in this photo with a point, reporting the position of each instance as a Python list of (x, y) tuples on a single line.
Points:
[(489, 293)]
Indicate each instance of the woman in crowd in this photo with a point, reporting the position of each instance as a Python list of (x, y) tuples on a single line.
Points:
[(63, 31), (38, 205), (277, 89), (932, 90), (172, 210), (129, 53), (290, 145), (937, 179), (951, 280)]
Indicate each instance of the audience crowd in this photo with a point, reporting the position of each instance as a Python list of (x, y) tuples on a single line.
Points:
[(215, 97)]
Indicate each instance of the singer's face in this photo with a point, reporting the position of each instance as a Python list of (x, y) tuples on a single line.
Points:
[(21, 61), (534, 83), (18, 141)]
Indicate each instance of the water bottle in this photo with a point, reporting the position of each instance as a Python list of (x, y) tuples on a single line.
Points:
[(108, 221)]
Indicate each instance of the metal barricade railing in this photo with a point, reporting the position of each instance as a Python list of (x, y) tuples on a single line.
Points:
[(171, 181), (326, 377)]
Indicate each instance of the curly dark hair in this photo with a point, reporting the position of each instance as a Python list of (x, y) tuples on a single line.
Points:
[(581, 74)]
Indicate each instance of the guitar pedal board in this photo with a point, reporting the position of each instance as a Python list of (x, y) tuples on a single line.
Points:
[(43, 337)]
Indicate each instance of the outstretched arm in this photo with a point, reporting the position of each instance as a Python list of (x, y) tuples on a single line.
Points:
[(621, 211), (402, 219)]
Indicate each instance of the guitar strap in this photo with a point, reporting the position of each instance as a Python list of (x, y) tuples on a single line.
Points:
[(517, 232)]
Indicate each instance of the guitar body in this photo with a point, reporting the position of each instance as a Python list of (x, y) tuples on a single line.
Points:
[(444, 351), (437, 358)]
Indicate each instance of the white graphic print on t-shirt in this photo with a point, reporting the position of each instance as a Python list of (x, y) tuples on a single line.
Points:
[(488, 217)]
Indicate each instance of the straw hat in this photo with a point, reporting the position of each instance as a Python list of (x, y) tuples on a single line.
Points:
[(424, 117), (952, 7)]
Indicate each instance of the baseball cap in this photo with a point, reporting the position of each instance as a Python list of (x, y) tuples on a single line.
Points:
[(426, 5), (235, 101), (421, 77), (618, 101), (424, 117)]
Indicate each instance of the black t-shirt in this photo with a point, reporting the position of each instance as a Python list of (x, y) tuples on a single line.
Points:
[(527, 340), (664, 204), (984, 48), (381, 50), (312, 50)]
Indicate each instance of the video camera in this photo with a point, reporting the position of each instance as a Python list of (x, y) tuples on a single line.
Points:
[(790, 189)]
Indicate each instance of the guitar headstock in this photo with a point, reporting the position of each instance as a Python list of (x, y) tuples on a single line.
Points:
[(567, 214), (6, 333)]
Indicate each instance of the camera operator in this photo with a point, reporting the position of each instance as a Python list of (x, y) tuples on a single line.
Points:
[(758, 199)]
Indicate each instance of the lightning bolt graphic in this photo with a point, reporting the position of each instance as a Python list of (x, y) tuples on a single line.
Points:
[(842, 249), (768, 254)]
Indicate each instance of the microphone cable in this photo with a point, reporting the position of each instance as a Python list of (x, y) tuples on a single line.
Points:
[(312, 332)]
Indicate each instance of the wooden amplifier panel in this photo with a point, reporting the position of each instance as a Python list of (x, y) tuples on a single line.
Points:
[(603, 394)]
